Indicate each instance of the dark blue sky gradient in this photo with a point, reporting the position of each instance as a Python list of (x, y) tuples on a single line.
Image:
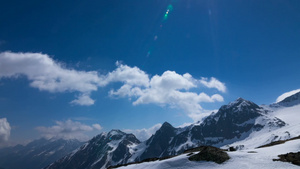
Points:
[(252, 46)]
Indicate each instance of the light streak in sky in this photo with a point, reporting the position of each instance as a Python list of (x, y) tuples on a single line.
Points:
[(169, 9), (165, 17)]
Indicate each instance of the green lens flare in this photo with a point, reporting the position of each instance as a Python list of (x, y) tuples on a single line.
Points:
[(169, 9), (165, 17)]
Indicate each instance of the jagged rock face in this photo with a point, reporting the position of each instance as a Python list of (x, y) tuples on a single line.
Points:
[(157, 144), (209, 153), (291, 157), (100, 152), (230, 121), (36, 154)]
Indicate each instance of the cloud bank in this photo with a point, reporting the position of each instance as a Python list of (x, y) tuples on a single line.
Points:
[(287, 94), (4, 130), (68, 130), (168, 89)]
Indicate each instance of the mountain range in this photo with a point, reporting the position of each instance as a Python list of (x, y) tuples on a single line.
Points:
[(36, 154), (275, 145), (241, 124), (232, 123)]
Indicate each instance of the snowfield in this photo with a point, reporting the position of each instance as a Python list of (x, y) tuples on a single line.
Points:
[(245, 159)]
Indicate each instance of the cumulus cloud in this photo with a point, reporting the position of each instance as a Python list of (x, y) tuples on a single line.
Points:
[(132, 76), (4, 130), (48, 75), (97, 126), (83, 100), (144, 134), (172, 89), (168, 89), (287, 94), (213, 83), (68, 130)]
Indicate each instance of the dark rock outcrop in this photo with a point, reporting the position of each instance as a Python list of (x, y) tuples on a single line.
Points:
[(210, 153), (293, 158)]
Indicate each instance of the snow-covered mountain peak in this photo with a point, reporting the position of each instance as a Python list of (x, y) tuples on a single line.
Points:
[(106, 149), (115, 132), (240, 102), (291, 100), (240, 106), (240, 99)]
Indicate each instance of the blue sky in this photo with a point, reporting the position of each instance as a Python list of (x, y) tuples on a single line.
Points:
[(166, 53)]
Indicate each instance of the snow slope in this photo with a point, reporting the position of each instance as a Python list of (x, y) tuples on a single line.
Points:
[(262, 159), (290, 115)]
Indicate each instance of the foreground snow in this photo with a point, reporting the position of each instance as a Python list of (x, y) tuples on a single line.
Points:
[(262, 159)]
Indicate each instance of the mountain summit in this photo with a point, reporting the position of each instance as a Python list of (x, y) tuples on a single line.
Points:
[(106, 149), (231, 123), (291, 100)]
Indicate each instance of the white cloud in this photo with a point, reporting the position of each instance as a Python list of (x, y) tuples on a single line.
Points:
[(46, 74), (4, 130), (132, 76), (172, 89), (97, 126), (68, 130), (144, 134), (213, 83), (169, 89), (287, 94), (83, 100), (199, 116)]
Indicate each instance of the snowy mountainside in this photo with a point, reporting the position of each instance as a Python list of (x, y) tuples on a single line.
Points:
[(290, 115), (253, 158), (288, 101), (36, 154), (102, 151), (273, 130), (231, 123), (287, 110), (241, 122)]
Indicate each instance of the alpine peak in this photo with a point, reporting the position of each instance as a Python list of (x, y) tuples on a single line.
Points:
[(166, 124)]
